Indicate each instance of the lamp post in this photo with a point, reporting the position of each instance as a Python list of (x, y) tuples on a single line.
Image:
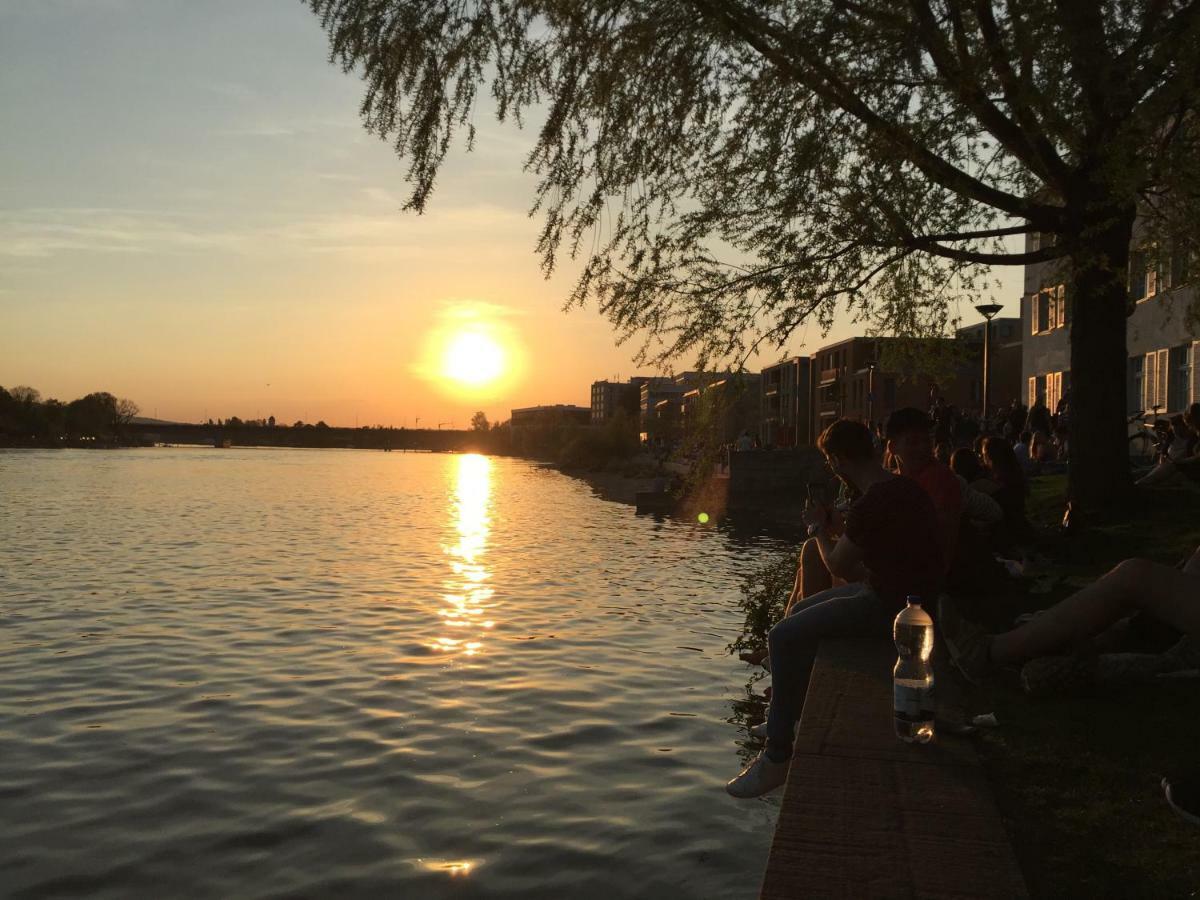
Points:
[(871, 396), (988, 311)]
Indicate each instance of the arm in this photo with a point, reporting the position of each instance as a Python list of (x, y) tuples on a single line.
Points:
[(841, 557)]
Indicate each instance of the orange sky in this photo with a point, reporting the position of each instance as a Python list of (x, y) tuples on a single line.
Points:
[(193, 217)]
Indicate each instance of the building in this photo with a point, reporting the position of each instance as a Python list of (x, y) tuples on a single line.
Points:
[(659, 419), (852, 384), (1006, 384), (1160, 343), (609, 397), (730, 404), (786, 403), (546, 416)]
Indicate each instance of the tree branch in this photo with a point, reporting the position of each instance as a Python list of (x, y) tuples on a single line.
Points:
[(960, 78), (988, 259), (1017, 90), (823, 82)]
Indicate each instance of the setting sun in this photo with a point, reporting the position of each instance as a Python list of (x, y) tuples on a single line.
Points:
[(474, 359)]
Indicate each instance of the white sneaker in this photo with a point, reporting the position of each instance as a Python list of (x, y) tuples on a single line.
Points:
[(759, 731), (760, 777)]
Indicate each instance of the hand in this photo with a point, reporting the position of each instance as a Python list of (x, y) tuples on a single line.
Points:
[(816, 516)]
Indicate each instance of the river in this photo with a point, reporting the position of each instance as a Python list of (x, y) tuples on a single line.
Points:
[(256, 673)]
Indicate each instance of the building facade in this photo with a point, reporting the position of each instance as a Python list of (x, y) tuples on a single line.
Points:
[(544, 416), (656, 417), (786, 403), (609, 397), (1161, 343), (851, 383)]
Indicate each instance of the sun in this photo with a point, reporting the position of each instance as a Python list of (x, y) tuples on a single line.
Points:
[(473, 358)]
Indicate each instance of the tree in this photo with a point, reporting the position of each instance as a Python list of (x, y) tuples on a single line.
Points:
[(479, 422), (26, 395), (124, 412), (730, 170)]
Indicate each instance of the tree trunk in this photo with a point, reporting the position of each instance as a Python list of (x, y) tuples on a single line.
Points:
[(1099, 472)]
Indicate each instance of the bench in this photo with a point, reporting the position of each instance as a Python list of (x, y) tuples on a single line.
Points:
[(866, 815)]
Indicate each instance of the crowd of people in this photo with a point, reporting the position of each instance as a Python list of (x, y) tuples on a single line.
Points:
[(939, 523)]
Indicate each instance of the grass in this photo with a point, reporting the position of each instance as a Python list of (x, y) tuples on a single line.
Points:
[(1077, 779)]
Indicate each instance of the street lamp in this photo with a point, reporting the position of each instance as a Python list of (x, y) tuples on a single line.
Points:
[(989, 312), (871, 395)]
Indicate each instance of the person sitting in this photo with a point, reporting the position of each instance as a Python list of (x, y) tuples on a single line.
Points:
[(1021, 451), (890, 548), (980, 510), (909, 442), (1167, 594), (1182, 453), (1006, 472)]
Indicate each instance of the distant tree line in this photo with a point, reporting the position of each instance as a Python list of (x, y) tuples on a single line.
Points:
[(28, 420)]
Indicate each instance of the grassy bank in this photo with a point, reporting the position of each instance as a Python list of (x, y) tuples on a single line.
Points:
[(1078, 778)]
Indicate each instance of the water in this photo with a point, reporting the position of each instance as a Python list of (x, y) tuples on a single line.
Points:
[(270, 672)]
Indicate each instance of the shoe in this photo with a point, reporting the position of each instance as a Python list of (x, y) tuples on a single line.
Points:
[(1183, 795), (760, 777), (969, 645), (759, 731)]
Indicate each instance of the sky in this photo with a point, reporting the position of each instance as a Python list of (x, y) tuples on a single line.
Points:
[(192, 216)]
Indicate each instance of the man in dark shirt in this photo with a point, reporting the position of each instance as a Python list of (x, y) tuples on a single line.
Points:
[(890, 545)]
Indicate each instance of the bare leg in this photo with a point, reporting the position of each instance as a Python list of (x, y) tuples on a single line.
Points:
[(814, 577), (1136, 584)]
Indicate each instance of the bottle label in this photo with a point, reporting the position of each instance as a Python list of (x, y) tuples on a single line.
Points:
[(914, 704)]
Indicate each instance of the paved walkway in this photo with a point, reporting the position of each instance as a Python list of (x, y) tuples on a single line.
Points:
[(865, 815)]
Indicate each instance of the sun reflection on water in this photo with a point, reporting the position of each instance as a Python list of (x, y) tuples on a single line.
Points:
[(467, 593)]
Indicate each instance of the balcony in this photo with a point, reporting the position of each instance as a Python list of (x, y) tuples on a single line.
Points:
[(828, 376)]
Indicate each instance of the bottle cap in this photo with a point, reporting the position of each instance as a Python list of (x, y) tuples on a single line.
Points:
[(913, 600)]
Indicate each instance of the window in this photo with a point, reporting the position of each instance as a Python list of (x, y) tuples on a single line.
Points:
[(1040, 312), (1134, 403), (1053, 390), (1179, 268), (1064, 307), (1154, 379), (1179, 384), (1037, 390)]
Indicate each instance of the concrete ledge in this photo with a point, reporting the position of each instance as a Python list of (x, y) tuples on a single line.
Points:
[(865, 815)]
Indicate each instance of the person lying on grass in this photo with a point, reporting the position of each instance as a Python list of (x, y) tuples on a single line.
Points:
[(1167, 594), (890, 541)]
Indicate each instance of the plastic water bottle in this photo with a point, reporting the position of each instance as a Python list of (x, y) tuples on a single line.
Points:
[(913, 675)]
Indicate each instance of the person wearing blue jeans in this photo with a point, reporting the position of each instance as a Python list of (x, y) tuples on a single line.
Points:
[(889, 542)]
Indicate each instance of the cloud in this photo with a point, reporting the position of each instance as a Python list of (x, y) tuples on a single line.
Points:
[(49, 232)]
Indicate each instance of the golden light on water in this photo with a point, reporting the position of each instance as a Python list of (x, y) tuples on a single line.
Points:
[(467, 593), (452, 867)]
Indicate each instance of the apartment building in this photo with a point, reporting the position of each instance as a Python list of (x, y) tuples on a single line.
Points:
[(851, 383), (1161, 345), (786, 403), (609, 397), (545, 416)]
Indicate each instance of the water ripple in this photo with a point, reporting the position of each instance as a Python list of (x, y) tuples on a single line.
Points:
[(269, 673)]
